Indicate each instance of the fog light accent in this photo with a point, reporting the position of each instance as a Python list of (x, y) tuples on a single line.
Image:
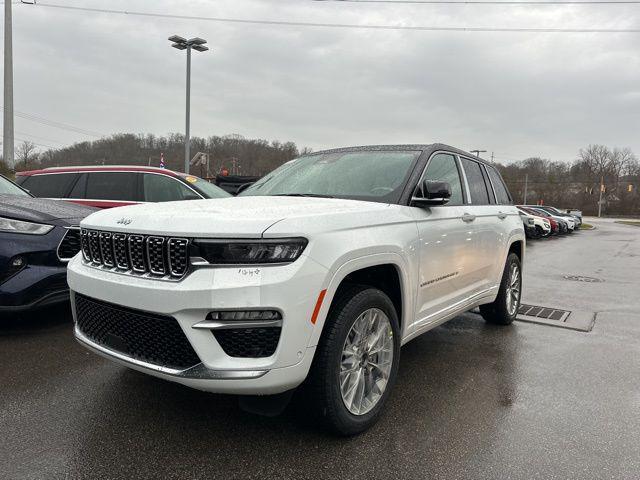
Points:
[(231, 315)]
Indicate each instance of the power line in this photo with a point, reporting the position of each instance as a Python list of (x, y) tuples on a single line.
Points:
[(52, 123), (489, 2), (341, 25), (36, 143), (39, 137), (55, 124)]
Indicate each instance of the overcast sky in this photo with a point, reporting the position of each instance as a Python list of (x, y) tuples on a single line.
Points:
[(516, 94)]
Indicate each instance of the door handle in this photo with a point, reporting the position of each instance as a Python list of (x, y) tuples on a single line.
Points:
[(467, 217), (502, 215)]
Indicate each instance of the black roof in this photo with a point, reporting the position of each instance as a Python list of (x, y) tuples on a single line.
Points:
[(430, 147)]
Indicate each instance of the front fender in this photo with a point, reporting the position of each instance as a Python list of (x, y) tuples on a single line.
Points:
[(338, 273)]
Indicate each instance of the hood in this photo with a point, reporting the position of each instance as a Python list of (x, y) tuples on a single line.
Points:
[(41, 210), (239, 217)]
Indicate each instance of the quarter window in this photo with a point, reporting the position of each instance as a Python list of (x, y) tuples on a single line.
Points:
[(442, 168), (502, 194), (161, 188), (477, 187), (112, 186)]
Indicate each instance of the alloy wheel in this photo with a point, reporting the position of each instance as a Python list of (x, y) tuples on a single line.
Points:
[(513, 289), (367, 359)]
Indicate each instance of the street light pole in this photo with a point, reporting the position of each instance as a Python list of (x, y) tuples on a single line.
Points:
[(7, 143), (478, 152), (196, 44), (187, 140)]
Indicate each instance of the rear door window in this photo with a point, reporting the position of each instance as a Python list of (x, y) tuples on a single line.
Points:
[(112, 186), (52, 185), (162, 188), (477, 186), (502, 194)]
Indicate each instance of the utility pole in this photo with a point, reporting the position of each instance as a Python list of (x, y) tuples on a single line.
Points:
[(196, 44), (526, 184), (478, 152), (600, 199), (7, 144)]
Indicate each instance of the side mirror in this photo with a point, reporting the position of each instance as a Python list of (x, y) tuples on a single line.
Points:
[(432, 193)]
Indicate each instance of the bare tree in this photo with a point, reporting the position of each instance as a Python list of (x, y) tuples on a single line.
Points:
[(620, 161), (27, 151)]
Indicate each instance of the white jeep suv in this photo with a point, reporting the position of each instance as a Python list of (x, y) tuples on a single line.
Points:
[(317, 273)]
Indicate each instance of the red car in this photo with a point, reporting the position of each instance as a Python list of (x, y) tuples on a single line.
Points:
[(116, 186)]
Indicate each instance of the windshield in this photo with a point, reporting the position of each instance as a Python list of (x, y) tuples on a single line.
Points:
[(208, 190), (7, 187), (372, 175)]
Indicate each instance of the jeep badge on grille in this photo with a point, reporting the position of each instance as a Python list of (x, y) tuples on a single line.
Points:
[(124, 221)]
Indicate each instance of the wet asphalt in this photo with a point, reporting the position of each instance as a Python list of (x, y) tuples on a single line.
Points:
[(472, 401)]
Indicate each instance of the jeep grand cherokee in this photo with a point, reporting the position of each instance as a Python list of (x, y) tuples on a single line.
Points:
[(316, 274)]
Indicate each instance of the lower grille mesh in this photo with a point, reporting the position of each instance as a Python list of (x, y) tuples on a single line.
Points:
[(144, 336), (249, 342)]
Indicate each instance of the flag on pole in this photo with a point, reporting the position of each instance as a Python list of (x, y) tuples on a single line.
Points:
[(161, 160)]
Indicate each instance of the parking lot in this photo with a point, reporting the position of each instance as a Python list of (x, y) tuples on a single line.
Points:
[(472, 400)]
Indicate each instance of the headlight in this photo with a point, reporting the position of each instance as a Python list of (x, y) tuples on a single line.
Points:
[(248, 252), (18, 226)]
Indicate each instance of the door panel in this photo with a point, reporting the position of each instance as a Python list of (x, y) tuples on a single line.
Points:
[(446, 255), (447, 245), (485, 226)]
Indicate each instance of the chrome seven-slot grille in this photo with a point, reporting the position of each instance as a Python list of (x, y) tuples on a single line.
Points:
[(156, 256)]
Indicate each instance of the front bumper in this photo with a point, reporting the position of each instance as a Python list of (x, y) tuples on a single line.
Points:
[(291, 289), (43, 279)]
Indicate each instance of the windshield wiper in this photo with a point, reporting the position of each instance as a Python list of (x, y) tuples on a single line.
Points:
[(312, 195)]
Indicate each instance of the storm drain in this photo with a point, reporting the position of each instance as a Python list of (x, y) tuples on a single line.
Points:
[(555, 317), (545, 313)]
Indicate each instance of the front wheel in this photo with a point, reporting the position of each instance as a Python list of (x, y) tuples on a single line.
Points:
[(504, 309), (357, 360)]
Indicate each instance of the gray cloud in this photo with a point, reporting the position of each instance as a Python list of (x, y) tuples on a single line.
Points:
[(517, 94)]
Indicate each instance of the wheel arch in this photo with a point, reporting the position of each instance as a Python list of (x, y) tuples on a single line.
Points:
[(388, 272), (517, 247)]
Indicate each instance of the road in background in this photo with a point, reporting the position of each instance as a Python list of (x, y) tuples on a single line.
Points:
[(472, 400)]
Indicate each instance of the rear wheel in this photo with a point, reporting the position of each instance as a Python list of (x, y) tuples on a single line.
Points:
[(504, 309), (357, 360)]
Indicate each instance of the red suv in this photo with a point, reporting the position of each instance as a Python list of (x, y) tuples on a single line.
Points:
[(116, 186)]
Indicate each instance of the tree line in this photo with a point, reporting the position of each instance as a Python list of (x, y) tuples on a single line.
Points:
[(578, 184), (575, 184), (234, 153)]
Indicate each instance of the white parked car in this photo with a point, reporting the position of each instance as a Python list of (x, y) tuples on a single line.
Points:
[(317, 273), (570, 221), (540, 226)]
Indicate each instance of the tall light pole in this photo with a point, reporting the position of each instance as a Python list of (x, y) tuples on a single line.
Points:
[(478, 152), (7, 143), (196, 44)]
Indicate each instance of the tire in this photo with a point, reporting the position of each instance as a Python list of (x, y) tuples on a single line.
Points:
[(328, 368), (501, 311)]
